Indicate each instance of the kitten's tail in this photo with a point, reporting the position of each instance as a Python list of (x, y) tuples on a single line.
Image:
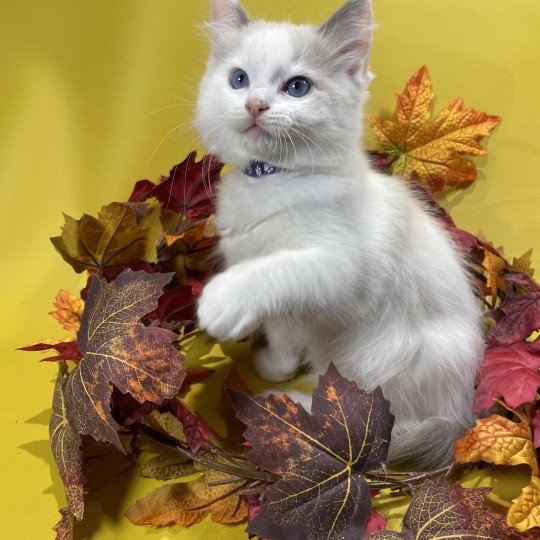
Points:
[(427, 443)]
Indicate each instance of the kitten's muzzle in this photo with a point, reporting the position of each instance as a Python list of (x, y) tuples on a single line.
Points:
[(256, 106)]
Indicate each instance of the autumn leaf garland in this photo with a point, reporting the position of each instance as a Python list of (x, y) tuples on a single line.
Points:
[(148, 260)]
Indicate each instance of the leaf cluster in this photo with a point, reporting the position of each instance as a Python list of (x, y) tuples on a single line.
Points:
[(147, 261)]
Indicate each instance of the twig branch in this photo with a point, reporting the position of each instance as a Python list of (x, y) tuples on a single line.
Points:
[(377, 479), (242, 472)]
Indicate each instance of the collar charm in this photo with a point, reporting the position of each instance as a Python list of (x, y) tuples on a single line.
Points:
[(256, 169)]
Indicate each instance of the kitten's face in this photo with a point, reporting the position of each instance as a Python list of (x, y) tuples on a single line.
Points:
[(278, 93)]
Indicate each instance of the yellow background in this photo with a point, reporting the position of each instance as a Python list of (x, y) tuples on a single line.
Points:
[(90, 95)]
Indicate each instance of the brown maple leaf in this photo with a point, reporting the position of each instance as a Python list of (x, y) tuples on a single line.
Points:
[(65, 445), (320, 456), (64, 528), (121, 234), (523, 264), (440, 510), (524, 514), (431, 149), (118, 349), (499, 440)]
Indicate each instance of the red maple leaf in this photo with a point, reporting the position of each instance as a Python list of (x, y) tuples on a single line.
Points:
[(376, 523), (195, 430), (517, 318), (511, 372), (67, 350), (188, 189)]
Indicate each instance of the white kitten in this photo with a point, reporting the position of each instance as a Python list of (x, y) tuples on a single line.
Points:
[(336, 262)]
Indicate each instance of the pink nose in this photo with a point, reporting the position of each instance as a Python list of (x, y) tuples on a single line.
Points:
[(255, 107)]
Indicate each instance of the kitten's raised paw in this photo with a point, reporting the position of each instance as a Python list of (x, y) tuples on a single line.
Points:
[(273, 367), (225, 308)]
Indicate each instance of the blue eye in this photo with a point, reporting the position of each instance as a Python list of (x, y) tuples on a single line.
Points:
[(297, 87), (239, 79)]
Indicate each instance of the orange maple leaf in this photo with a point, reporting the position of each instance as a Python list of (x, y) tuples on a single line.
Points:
[(494, 267), (187, 503), (499, 440), (431, 149), (524, 513), (68, 310)]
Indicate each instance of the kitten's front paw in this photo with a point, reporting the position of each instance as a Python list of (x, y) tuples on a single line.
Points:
[(225, 311), (275, 368)]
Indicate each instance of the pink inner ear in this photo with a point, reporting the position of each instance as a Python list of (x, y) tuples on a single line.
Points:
[(229, 13), (356, 54)]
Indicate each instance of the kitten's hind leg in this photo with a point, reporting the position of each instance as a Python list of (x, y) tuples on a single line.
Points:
[(281, 358)]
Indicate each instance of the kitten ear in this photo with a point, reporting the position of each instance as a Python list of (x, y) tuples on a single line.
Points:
[(348, 34), (227, 17)]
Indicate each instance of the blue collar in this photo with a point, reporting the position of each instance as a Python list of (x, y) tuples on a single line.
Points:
[(256, 169)]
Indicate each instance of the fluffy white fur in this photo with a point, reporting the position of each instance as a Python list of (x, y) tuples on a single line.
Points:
[(336, 262)]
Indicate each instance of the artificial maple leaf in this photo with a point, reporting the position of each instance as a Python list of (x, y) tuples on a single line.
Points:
[(523, 264), (168, 464), (511, 372), (235, 428), (65, 445), (524, 513), (522, 280), (67, 349), (193, 248), (500, 441), (320, 456), (176, 307), (535, 423), (376, 522), (103, 464), (187, 503), (196, 431), (118, 349), (194, 375), (119, 235), (440, 510), (68, 312), (494, 266), (64, 528), (517, 318), (431, 149), (188, 189)]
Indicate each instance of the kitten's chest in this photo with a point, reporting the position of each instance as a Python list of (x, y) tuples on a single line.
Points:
[(256, 218), (254, 230)]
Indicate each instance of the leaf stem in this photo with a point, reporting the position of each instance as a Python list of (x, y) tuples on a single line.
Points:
[(242, 472), (377, 479)]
